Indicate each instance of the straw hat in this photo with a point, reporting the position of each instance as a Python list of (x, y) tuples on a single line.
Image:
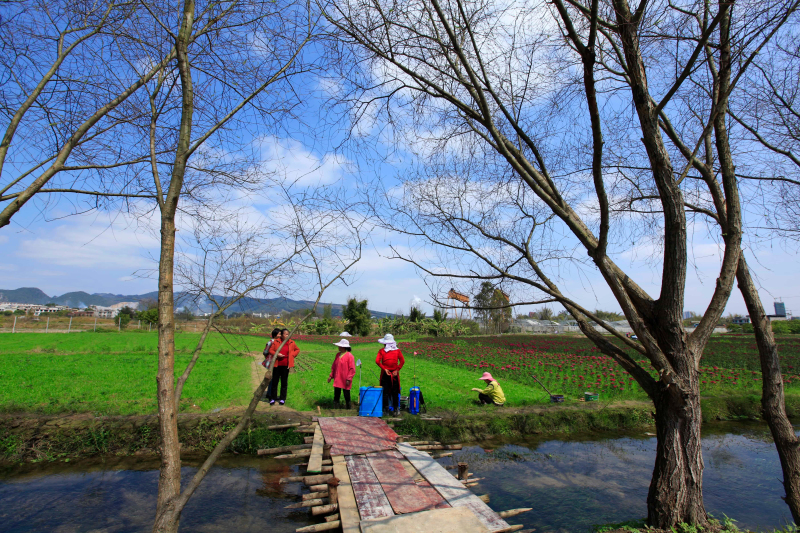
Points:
[(388, 338), (344, 343), (487, 375)]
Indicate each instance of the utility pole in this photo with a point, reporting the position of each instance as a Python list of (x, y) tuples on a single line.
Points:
[(69, 328), (47, 328), (95, 323), (14, 329)]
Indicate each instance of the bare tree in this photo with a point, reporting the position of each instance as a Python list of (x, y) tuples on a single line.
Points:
[(306, 250), (537, 132), (764, 146), (234, 63), (68, 71)]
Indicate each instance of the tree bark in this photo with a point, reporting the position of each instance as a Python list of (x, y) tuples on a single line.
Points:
[(169, 479), (676, 489), (772, 396)]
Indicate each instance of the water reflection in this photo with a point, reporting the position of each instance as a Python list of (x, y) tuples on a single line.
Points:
[(574, 485), (243, 494)]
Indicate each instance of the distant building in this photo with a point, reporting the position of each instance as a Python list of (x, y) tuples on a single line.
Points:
[(687, 315), (739, 320)]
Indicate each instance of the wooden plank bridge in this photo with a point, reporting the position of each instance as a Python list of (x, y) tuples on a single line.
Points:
[(377, 485)]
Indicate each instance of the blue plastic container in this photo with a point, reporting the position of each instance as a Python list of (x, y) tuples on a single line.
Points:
[(413, 401), (370, 401)]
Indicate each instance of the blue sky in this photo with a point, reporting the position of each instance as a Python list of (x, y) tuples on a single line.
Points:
[(110, 252)]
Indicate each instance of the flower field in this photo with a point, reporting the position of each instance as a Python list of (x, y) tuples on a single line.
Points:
[(572, 365)]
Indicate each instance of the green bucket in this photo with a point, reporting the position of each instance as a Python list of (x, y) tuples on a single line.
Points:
[(591, 397)]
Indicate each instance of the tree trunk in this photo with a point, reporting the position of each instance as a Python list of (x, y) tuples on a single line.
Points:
[(676, 489), (772, 397), (169, 480)]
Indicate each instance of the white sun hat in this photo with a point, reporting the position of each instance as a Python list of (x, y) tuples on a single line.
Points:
[(344, 334), (388, 338), (344, 343)]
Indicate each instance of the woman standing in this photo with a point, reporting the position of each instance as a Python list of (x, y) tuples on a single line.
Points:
[(342, 371), (283, 362), (390, 360)]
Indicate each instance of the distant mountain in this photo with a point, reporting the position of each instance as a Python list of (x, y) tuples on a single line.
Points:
[(30, 295), (27, 295)]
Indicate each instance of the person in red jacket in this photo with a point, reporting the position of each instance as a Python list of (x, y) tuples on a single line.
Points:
[(283, 362), (342, 371), (390, 360)]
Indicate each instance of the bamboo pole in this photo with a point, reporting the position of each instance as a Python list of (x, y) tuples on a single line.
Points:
[(514, 512), (318, 488), (440, 455), (315, 495), (324, 509), (326, 526), (332, 517)]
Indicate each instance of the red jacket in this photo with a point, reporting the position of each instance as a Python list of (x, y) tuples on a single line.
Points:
[(390, 361), (290, 350), (342, 370)]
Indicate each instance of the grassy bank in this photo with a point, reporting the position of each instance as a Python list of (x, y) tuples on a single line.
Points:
[(65, 438)]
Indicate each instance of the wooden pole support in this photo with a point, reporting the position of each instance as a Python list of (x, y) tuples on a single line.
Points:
[(462, 470), (514, 512), (325, 509), (326, 526), (332, 518), (423, 442), (316, 480), (285, 426), (326, 462), (440, 455), (484, 498), (299, 454), (284, 449), (315, 495), (318, 488), (518, 527), (438, 447), (307, 503)]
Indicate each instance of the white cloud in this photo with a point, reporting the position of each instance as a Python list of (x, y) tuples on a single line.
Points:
[(91, 242), (296, 163)]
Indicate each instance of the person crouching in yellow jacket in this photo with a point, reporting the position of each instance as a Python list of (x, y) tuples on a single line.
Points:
[(492, 393)]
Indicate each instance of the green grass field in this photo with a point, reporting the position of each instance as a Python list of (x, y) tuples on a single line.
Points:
[(114, 373), (443, 386)]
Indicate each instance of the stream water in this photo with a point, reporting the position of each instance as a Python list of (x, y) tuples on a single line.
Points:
[(571, 485)]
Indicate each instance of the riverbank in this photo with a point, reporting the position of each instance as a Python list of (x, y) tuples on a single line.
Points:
[(32, 438)]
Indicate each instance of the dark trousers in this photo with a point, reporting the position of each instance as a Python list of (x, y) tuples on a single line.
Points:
[(391, 390), (337, 393), (279, 373), (484, 398)]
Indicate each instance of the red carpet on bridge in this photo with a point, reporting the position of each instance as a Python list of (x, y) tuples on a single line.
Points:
[(354, 435)]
